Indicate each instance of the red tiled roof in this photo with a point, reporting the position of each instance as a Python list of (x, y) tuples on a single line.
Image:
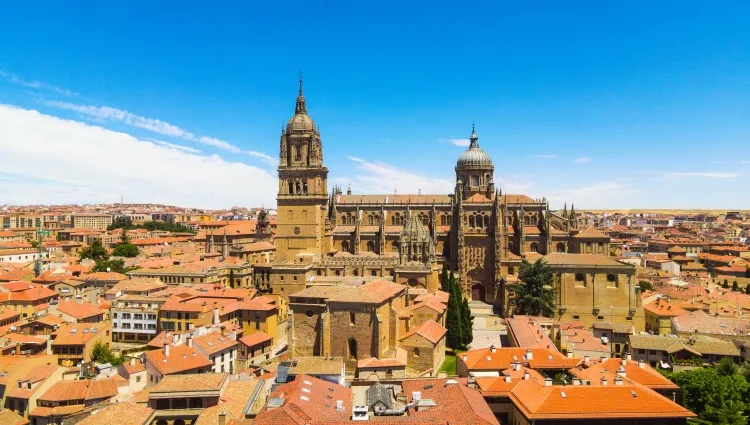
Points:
[(429, 330), (213, 342), (181, 359), (255, 338), (81, 311)]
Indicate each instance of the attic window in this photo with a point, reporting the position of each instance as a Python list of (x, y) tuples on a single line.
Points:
[(633, 393)]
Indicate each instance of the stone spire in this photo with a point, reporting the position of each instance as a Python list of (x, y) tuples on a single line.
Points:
[(300, 107)]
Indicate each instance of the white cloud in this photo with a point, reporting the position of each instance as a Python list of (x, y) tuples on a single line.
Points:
[(603, 194), (582, 160), (35, 84), (460, 142), (174, 146), (107, 113), (700, 175), (64, 161), (378, 177)]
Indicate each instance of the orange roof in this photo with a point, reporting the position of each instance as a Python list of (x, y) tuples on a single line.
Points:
[(214, 342), (255, 338), (307, 400), (382, 289), (181, 359), (592, 233), (455, 403), (81, 311), (639, 372), (120, 414), (537, 401), (78, 333), (429, 330), (7, 313), (36, 293), (501, 359), (664, 308)]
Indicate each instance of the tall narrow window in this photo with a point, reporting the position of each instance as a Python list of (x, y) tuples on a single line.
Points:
[(298, 153)]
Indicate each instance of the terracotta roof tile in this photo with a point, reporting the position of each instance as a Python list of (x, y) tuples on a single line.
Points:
[(429, 330)]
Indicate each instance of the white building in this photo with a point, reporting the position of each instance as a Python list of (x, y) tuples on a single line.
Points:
[(135, 318)]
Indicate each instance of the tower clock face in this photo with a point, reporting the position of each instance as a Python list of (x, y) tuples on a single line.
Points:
[(296, 230)]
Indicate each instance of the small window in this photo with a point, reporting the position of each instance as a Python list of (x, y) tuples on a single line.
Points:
[(415, 351), (579, 277), (352, 318), (309, 313), (576, 317), (294, 278), (374, 273), (281, 277), (511, 270), (611, 278), (599, 317)]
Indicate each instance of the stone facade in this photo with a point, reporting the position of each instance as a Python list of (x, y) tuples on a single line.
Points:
[(480, 232)]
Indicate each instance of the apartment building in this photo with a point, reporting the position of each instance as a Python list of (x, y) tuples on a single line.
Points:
[(74, 342), (90, 221), (135, 318)]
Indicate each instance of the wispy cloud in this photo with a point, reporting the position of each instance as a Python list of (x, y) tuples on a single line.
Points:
[(174, 146), (52, 144), (606, 193), (546, 156), (460, 142), (379, 177), (699, 175), (38, 85), (107, 113), (582, 160)]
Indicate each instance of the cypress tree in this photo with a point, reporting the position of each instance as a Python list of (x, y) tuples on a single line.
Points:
[(735, 286), (445, 279), (747, 289), (468, 323), (454, 321), (231, 278)]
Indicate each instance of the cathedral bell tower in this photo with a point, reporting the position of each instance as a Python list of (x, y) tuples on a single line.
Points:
[(303, 188)]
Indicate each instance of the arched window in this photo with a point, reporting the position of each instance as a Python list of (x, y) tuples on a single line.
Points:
[(534, 247), (396, 219), (370, 246), (413, 282), (444, 220), (415, 351), (297, 187), (472, 222), (560, 247), (611, 278), (290, 183), (579, 277), (475, 180), (345, 246), (487, 221), (352, 348), (423, 218), (356, 272), (511, 247), (298, 152), (395, 247)]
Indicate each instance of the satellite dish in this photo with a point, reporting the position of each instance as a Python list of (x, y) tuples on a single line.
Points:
[(109, 269)]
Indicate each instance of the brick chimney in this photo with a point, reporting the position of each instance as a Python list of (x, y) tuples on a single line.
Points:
[(165, 349)]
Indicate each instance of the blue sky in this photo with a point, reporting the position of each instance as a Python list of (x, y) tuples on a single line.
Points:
[(618, 105)]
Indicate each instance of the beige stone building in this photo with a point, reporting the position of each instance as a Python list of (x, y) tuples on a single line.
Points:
[(91, 221)]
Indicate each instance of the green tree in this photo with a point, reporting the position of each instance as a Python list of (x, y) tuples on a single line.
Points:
[(454, 321), (231, 278), (467, 323), (726, 284), (536, 295), (34, 243), (445, 281), (101, 353), (95, 251), (645, 286), (735, 286), (747, 289), (125, 250), (121, 223), (726, 367), (115, 265), (717, 398)]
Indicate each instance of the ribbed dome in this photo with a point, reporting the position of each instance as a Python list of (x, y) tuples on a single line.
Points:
[(474, 155), (300, 122)]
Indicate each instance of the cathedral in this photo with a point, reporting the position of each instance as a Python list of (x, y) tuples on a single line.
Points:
[(481, 232)]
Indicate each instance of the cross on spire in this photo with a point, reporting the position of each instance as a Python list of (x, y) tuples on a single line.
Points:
[(300, 81)]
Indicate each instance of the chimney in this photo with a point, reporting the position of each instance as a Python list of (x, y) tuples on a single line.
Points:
[(233, 335), (339, 405), (175, 338), (493, 349), (526, 375), (18, 348), (189, 341), (586, 358), (621, 371), (166, 349), (222, 417), (216, 316), (132, 361), (603, 359), (529, 354), (618, 380), (570, 354), (507, 378), (465, 357), (547, 382), (576, 381), (641, 364), (628, 356), (79, 299), (604, 381)]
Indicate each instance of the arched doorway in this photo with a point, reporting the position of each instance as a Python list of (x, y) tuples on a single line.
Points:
[(477, 292)]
